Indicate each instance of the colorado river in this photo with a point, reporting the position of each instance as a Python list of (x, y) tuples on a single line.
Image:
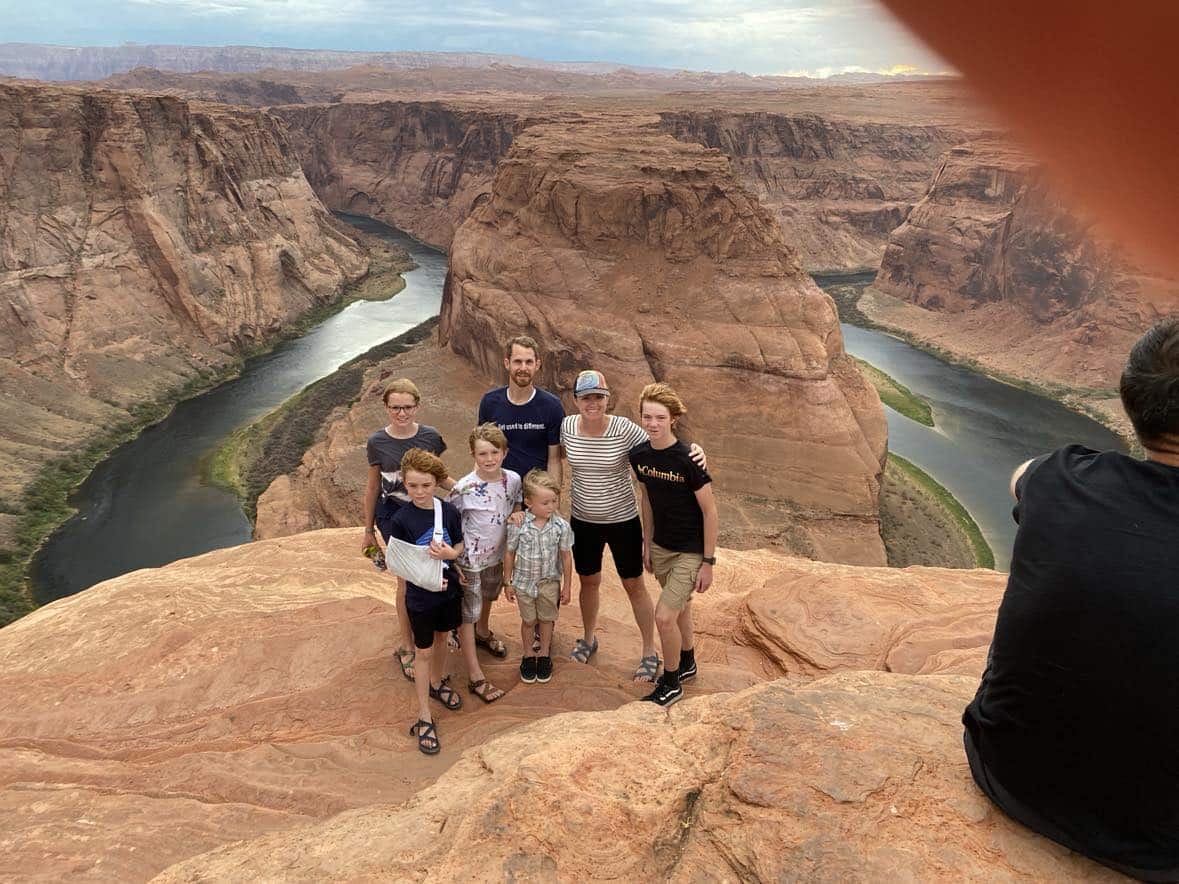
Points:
[(983, 428), (147, 504)]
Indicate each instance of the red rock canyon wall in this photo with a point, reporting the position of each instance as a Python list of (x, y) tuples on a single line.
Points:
[(143, 240)]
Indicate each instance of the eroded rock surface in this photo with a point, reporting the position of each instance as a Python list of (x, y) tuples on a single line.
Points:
[(419, 166), (251, 690), (1007, 273), (855, 777), (626, 250), (838, 187), (143, 241)]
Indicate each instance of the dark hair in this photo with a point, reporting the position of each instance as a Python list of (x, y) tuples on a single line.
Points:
[(1150, 383)]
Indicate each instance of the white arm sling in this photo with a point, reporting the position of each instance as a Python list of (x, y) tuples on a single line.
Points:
[(413, 562)]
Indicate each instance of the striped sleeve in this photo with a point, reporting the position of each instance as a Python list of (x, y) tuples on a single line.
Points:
[(631, 432), (602, 490)]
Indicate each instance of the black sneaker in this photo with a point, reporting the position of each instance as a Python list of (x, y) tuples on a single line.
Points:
[(528, 670), (688, 672), (544, 669), (664, 694)]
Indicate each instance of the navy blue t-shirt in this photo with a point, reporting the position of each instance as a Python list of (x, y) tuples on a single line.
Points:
[(531, 428), (415, 525)]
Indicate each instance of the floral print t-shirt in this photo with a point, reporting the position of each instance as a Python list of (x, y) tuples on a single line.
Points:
[(485, 507)]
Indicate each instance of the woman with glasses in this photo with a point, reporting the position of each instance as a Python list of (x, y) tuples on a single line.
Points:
[(385, 491)]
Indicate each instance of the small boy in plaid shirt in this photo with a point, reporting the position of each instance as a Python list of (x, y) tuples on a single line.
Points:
[(538, 570)]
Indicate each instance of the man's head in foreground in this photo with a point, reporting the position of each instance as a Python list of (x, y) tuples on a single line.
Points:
[(1150, 387)]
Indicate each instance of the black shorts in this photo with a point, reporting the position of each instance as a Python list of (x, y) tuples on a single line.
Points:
[(442, 617), (625, 540)]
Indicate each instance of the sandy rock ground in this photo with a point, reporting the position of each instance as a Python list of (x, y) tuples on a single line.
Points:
[(252, 691)]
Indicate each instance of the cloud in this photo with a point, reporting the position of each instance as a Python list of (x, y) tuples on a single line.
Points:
[(755, 36)]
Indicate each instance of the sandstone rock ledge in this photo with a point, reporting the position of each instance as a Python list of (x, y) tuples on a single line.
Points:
[(248, 695), (856, 777)]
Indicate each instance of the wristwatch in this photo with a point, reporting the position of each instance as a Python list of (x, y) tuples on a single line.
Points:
[(709, 560)]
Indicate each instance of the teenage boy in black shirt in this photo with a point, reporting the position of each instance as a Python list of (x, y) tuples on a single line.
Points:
[(679, 533)]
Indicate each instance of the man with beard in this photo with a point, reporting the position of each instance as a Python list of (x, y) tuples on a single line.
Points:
[(529, 417)]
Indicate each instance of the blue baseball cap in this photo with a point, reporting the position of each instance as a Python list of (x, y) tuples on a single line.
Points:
[(590, 381)]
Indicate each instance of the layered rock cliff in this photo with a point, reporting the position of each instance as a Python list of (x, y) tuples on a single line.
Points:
[(419, 166), (1006, 272), (626, 250), (143, 241), (837, 187), (249, 696)]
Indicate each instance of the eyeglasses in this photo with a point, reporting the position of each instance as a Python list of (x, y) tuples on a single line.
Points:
[(401, 409)]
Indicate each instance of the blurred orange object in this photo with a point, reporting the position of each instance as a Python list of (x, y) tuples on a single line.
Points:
[(1092, 88)]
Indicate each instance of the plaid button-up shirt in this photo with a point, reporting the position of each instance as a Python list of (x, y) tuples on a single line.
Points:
[(538, 551)]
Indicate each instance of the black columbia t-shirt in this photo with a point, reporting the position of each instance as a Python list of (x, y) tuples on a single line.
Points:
[(1077, 716), (672, 479)]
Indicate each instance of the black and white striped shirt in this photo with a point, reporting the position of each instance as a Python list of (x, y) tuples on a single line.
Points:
[(602, 489)]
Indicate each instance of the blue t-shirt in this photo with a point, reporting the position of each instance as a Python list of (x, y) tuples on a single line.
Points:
[(531, 428), (415, 525)]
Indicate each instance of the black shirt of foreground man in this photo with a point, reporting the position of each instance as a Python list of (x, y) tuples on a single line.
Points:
[(1074, 731)]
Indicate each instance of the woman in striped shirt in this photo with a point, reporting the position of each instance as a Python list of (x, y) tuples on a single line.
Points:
[(605, 513)]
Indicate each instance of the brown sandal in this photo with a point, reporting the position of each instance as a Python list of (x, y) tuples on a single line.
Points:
[(489, 693), (427, 736), (494, 646)]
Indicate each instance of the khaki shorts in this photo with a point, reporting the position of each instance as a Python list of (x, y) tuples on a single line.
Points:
[(543, 608), (482, 586), (676, 573)]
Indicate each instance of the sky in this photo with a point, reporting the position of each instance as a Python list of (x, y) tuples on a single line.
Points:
[(811, 37)]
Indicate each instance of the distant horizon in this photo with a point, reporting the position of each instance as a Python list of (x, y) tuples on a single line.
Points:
[(898, 71), (794, 38)]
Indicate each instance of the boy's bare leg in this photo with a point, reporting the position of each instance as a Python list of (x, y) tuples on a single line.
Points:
[(422, 685), (546, 637), (467, 631), (667, 619), (526, 637), (437, 660), (590, 599), (403, 616), (483, 627), (687, 633), (644, 611)]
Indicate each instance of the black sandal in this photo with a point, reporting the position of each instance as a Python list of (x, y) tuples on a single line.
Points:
[(446, 695), (427, 736)]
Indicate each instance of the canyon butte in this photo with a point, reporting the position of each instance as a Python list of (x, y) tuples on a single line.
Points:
[(238, 715)]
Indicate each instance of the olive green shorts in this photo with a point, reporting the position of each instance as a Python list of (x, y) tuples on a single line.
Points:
[(676, 573)]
